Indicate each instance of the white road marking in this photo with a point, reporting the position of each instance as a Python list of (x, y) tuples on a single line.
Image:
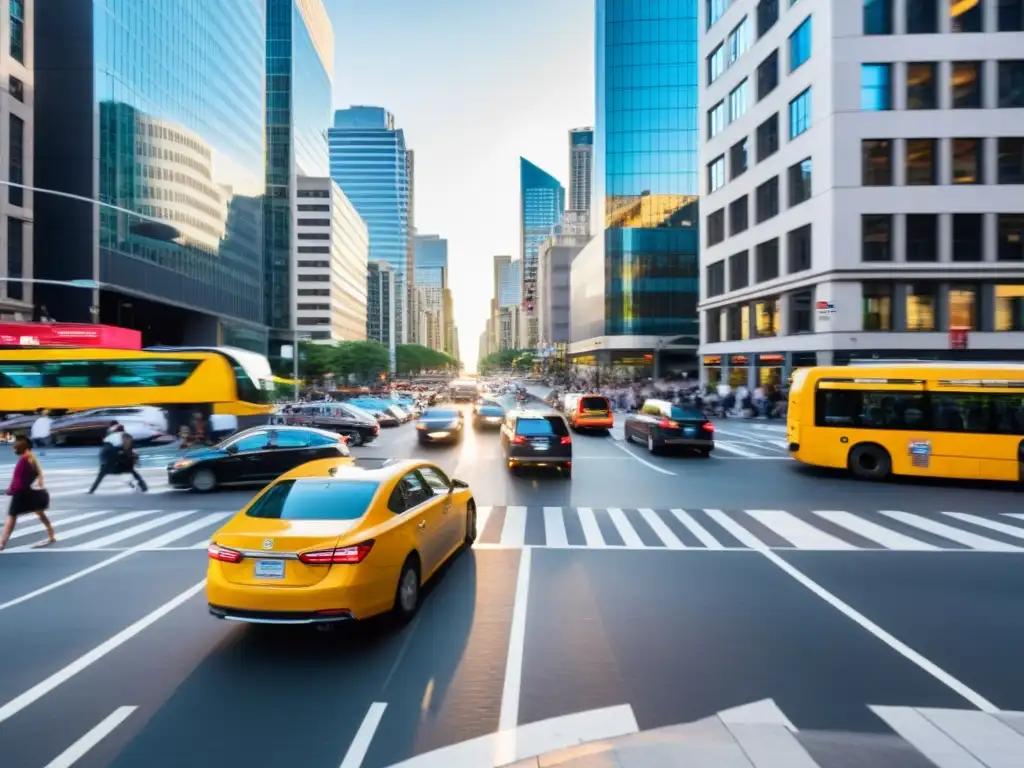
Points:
[(879, 534), (989, 739), (696, 529), (971, 540), (482, 516), (508, 719), (513, 533), (926, 738), (771, 746), (554, 528), (897, 645), (740, 533), (179, 533), (58, 523), (127, 533), (722, 445), (61, 676), (646, 463), (763, 712), (629, 535), (82, 530), (799, 533), (992, 525), (663, 532), (591, 531), (100, 731), (364, 736)]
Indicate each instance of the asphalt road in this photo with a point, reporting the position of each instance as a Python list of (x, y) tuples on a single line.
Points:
[(667, 588)]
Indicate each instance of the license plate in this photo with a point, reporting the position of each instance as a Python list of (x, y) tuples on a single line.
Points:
[(689, 431), (494, 419), (270, 569), (540, 446), (437, 434)]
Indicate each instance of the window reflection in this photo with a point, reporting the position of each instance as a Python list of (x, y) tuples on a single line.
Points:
[(966, 84), (877, 310), (766, 317), (921, 303), (921, 78), (1009, 308), (968, 161), (965, 15), (962, 304)]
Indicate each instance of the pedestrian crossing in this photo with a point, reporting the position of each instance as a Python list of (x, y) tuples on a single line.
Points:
[(742, 440), (64, 484)]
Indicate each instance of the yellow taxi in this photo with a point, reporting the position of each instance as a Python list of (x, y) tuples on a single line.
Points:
[(589, 411), (336, 540)]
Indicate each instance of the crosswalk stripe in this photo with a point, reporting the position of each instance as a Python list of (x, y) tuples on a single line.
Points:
[(799, 533), (992, 525), (513, 533), (947, 532), (879, 534), (926, 738), (554, 527), (591, 531), (733, 448), (57, 524), (204, 544), (696, 529), (629, 535), (179, 533), (745, 537), (662, 531), (989, 739), (482, 513), (75, 533), (127, 533)]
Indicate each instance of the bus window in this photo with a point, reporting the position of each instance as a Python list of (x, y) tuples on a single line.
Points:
[(248, 392)]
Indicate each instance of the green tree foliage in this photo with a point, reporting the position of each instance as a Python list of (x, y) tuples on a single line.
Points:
[(364, 359), (507, 359), (410, 359)]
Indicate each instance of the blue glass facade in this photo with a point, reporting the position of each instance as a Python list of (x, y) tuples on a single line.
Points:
[(542, 208), (368, 162), (646, 170), (298, 108), (155, 107), (430, 254)]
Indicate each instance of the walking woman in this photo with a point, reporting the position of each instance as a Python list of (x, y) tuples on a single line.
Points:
[(25, 498)]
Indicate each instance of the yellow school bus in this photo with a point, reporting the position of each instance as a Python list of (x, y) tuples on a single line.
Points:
[(179, 379), (949, 420)]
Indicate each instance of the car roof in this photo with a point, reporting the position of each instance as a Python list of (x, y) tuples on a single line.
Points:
[(523, 413), (349, 468), (282, 428)]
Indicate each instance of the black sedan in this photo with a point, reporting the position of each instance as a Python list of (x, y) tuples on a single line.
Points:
[(488, 415), (440, 425), (256, 455), (660, 425)]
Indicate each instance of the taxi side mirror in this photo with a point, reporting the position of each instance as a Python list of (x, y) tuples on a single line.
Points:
[(458, 484), (232, 448)]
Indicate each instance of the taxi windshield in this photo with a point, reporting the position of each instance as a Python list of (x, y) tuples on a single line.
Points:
[(315, 500), (443, 413), (595, 404)]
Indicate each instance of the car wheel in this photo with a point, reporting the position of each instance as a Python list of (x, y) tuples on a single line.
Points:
[(60, 440), (407, 596), (651, 446), (705, 452), (204, 480), (471, 531), (870, 462), (354, 438)]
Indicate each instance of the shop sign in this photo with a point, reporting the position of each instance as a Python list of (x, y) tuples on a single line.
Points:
[(739, 360), (772, 358), (920, 453), (825, 309), (712, 359)]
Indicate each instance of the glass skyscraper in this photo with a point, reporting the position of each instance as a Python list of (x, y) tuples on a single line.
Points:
[(581, 170), (431, 261), (643, 262), (300, 57), (369, 162), (542, 207), (156, 108)]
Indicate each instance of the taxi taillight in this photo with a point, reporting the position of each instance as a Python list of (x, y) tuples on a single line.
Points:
[(350, 555), (223, 554)]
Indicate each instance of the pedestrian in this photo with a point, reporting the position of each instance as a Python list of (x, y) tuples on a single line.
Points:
[(119, 460), (25, 498), (40, 431)]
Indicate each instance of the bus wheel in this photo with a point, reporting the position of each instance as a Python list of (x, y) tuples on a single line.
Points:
[(870, 462)]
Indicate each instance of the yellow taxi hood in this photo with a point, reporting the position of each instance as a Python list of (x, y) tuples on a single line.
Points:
[(318, 468)]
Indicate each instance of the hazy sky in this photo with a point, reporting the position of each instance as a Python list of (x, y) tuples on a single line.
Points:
[(475, 84)]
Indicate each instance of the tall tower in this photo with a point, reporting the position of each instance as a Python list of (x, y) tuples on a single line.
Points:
[(581, 169), (542, 208)]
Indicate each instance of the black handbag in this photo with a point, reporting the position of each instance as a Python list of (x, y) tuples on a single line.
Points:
[(39, 498)]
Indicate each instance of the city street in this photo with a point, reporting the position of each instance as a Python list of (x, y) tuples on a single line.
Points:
[(645, 591)]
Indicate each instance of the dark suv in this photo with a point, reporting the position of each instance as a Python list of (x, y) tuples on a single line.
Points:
[(537, 438), (358, 426)]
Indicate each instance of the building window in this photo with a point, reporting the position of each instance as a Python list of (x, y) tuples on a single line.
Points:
[(766, 200), (1010, 228), (766, 260), (966, 85), (968, 236), (738, 158), (15, 258), (739, 323), (768, 137), (716, 119), (17, 13), (922, 17), (965, 16), (968, 161), (922, 237), (800, 316), (799, 177), (716, 63), (713, 322), (876, 311), (1009, 308), (798, 249), (922, 299), (921, 79), (766, 318), (16, 195), (739, 218), (876, 237), (920, 162), (716, 227), (716, 9), (1011, 84), (767, 15), (1011, 159), (877, 17), (739, 40), (739, 270), (876, 162), (875, 90), (1011, 15), (768, 74), (800, 114), (715, 275), (800, 45), (16, 87), (962, 306), (738, 101), (716, 174), (314, 222)]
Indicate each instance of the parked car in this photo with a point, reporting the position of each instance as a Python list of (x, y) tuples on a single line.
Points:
[(660, 425), (357, 425), (257, 455), (537, 438), (144, 423)]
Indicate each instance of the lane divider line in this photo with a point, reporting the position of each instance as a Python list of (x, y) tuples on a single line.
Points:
[(94, 736), (646, 463), (364, 736), (508, 719)]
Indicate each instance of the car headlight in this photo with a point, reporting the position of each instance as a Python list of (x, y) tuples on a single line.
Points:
[(183, 464), (421, 426), (454, 425)]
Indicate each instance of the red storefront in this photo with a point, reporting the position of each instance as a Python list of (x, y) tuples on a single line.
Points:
[(50, 335)]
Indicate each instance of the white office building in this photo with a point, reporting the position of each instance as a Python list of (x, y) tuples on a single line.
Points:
[(332, 246), (863, 191)]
